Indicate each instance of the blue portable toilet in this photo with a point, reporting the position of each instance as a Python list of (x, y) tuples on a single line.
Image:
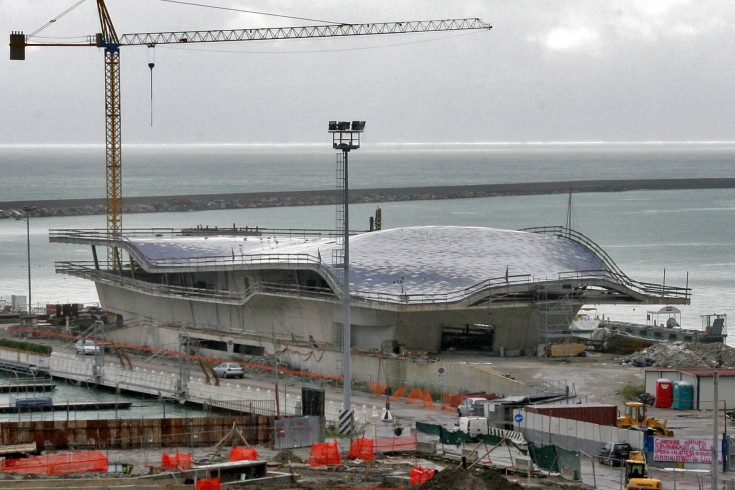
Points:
[(683, 396)]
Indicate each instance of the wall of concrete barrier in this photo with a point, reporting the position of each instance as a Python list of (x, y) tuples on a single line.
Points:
[(572, 434)]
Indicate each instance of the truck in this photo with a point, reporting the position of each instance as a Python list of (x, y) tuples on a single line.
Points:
[(471, 406)]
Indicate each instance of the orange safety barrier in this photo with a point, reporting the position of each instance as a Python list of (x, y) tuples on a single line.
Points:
[(208, 484), (416, 395), (378, 388), (428, 402), (420, 475), (242, 453), (399, 393), (363, 449), (57, 464), (453, 399), (324, 453), (178, 461), (395, 444)]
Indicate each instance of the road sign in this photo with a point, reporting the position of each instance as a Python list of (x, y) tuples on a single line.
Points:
[(518, 418)]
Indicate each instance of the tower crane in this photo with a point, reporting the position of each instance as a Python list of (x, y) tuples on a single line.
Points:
[(111, 43)]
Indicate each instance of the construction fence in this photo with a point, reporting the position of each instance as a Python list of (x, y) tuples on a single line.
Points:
[(56, 464), (135, 433)]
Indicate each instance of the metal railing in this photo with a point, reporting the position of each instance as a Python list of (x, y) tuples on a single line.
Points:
[(611, 271), (86, 270), (648, 289), (57, 234)]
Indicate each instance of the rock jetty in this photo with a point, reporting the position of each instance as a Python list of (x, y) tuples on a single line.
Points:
[(158, 204)]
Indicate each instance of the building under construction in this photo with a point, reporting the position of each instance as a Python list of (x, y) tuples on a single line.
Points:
[(245, 291)]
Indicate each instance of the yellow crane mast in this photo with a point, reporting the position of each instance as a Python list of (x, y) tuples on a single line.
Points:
[(109, 40)]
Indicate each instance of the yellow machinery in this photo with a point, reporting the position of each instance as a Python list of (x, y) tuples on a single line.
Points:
[(636, 473), (644, 483), (635, 415)]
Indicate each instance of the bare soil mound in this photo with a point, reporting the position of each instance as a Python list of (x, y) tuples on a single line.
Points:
[(461, 479), (286, 456)]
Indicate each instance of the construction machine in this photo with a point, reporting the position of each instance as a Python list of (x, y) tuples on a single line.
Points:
[(636, 473), (635, 416)]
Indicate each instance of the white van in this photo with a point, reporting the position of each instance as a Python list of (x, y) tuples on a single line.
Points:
[(474, 425)]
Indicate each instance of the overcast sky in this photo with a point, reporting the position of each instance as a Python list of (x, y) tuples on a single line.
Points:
[(616, 70)]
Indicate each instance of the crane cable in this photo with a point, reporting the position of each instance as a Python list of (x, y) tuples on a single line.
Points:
[(56, 18), (151, 64), (251, 12)]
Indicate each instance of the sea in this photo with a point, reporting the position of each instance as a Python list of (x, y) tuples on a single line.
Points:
[(678, 237)]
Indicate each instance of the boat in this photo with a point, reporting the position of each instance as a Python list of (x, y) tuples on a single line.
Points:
[(611, 341), (713, 330), (584, 322), (625, 338)]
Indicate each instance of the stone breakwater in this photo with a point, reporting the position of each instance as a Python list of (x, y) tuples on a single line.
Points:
[(158, 204)]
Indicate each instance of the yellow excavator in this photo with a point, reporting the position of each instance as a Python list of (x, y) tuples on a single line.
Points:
[(635, 415), (636, 473)]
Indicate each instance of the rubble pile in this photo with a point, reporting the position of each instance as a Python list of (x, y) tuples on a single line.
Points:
[(682, 355)]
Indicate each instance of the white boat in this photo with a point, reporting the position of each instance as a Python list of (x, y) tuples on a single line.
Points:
[(585, 322)]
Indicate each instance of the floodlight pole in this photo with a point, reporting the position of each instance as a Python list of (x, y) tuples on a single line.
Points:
[(346, 137), (347, 325)]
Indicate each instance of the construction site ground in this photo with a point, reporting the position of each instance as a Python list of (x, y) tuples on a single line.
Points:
[(597, 376)]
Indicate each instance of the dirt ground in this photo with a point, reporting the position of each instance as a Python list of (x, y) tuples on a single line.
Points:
[(597, 376)]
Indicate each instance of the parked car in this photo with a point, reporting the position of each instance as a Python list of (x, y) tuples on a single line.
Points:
[(87, 347), (614, 453), (229, 370)]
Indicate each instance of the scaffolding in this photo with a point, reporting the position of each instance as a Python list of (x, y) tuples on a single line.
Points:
[(556, 307)]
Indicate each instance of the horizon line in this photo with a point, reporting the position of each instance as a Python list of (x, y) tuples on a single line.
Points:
[(385, 144)]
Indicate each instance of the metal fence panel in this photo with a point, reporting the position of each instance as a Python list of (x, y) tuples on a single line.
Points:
[(298, 432)]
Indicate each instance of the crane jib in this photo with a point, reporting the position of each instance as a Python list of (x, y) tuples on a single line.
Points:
[(302, 32)]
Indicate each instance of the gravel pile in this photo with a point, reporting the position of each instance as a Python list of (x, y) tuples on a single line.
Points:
[(682, 355)]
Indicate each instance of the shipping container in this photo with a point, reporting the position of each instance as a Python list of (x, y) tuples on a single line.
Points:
[(595, 413)]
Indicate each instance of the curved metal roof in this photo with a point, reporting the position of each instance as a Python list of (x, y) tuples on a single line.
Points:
[(427, 260)]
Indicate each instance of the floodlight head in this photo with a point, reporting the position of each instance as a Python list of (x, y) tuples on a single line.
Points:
[(332, 125), (358, 125), (343, 126)]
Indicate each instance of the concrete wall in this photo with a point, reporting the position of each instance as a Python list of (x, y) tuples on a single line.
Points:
[(457, 377), (515, 327), (572, 434)]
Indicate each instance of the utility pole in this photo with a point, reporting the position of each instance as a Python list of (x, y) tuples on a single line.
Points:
[(715, 428)]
